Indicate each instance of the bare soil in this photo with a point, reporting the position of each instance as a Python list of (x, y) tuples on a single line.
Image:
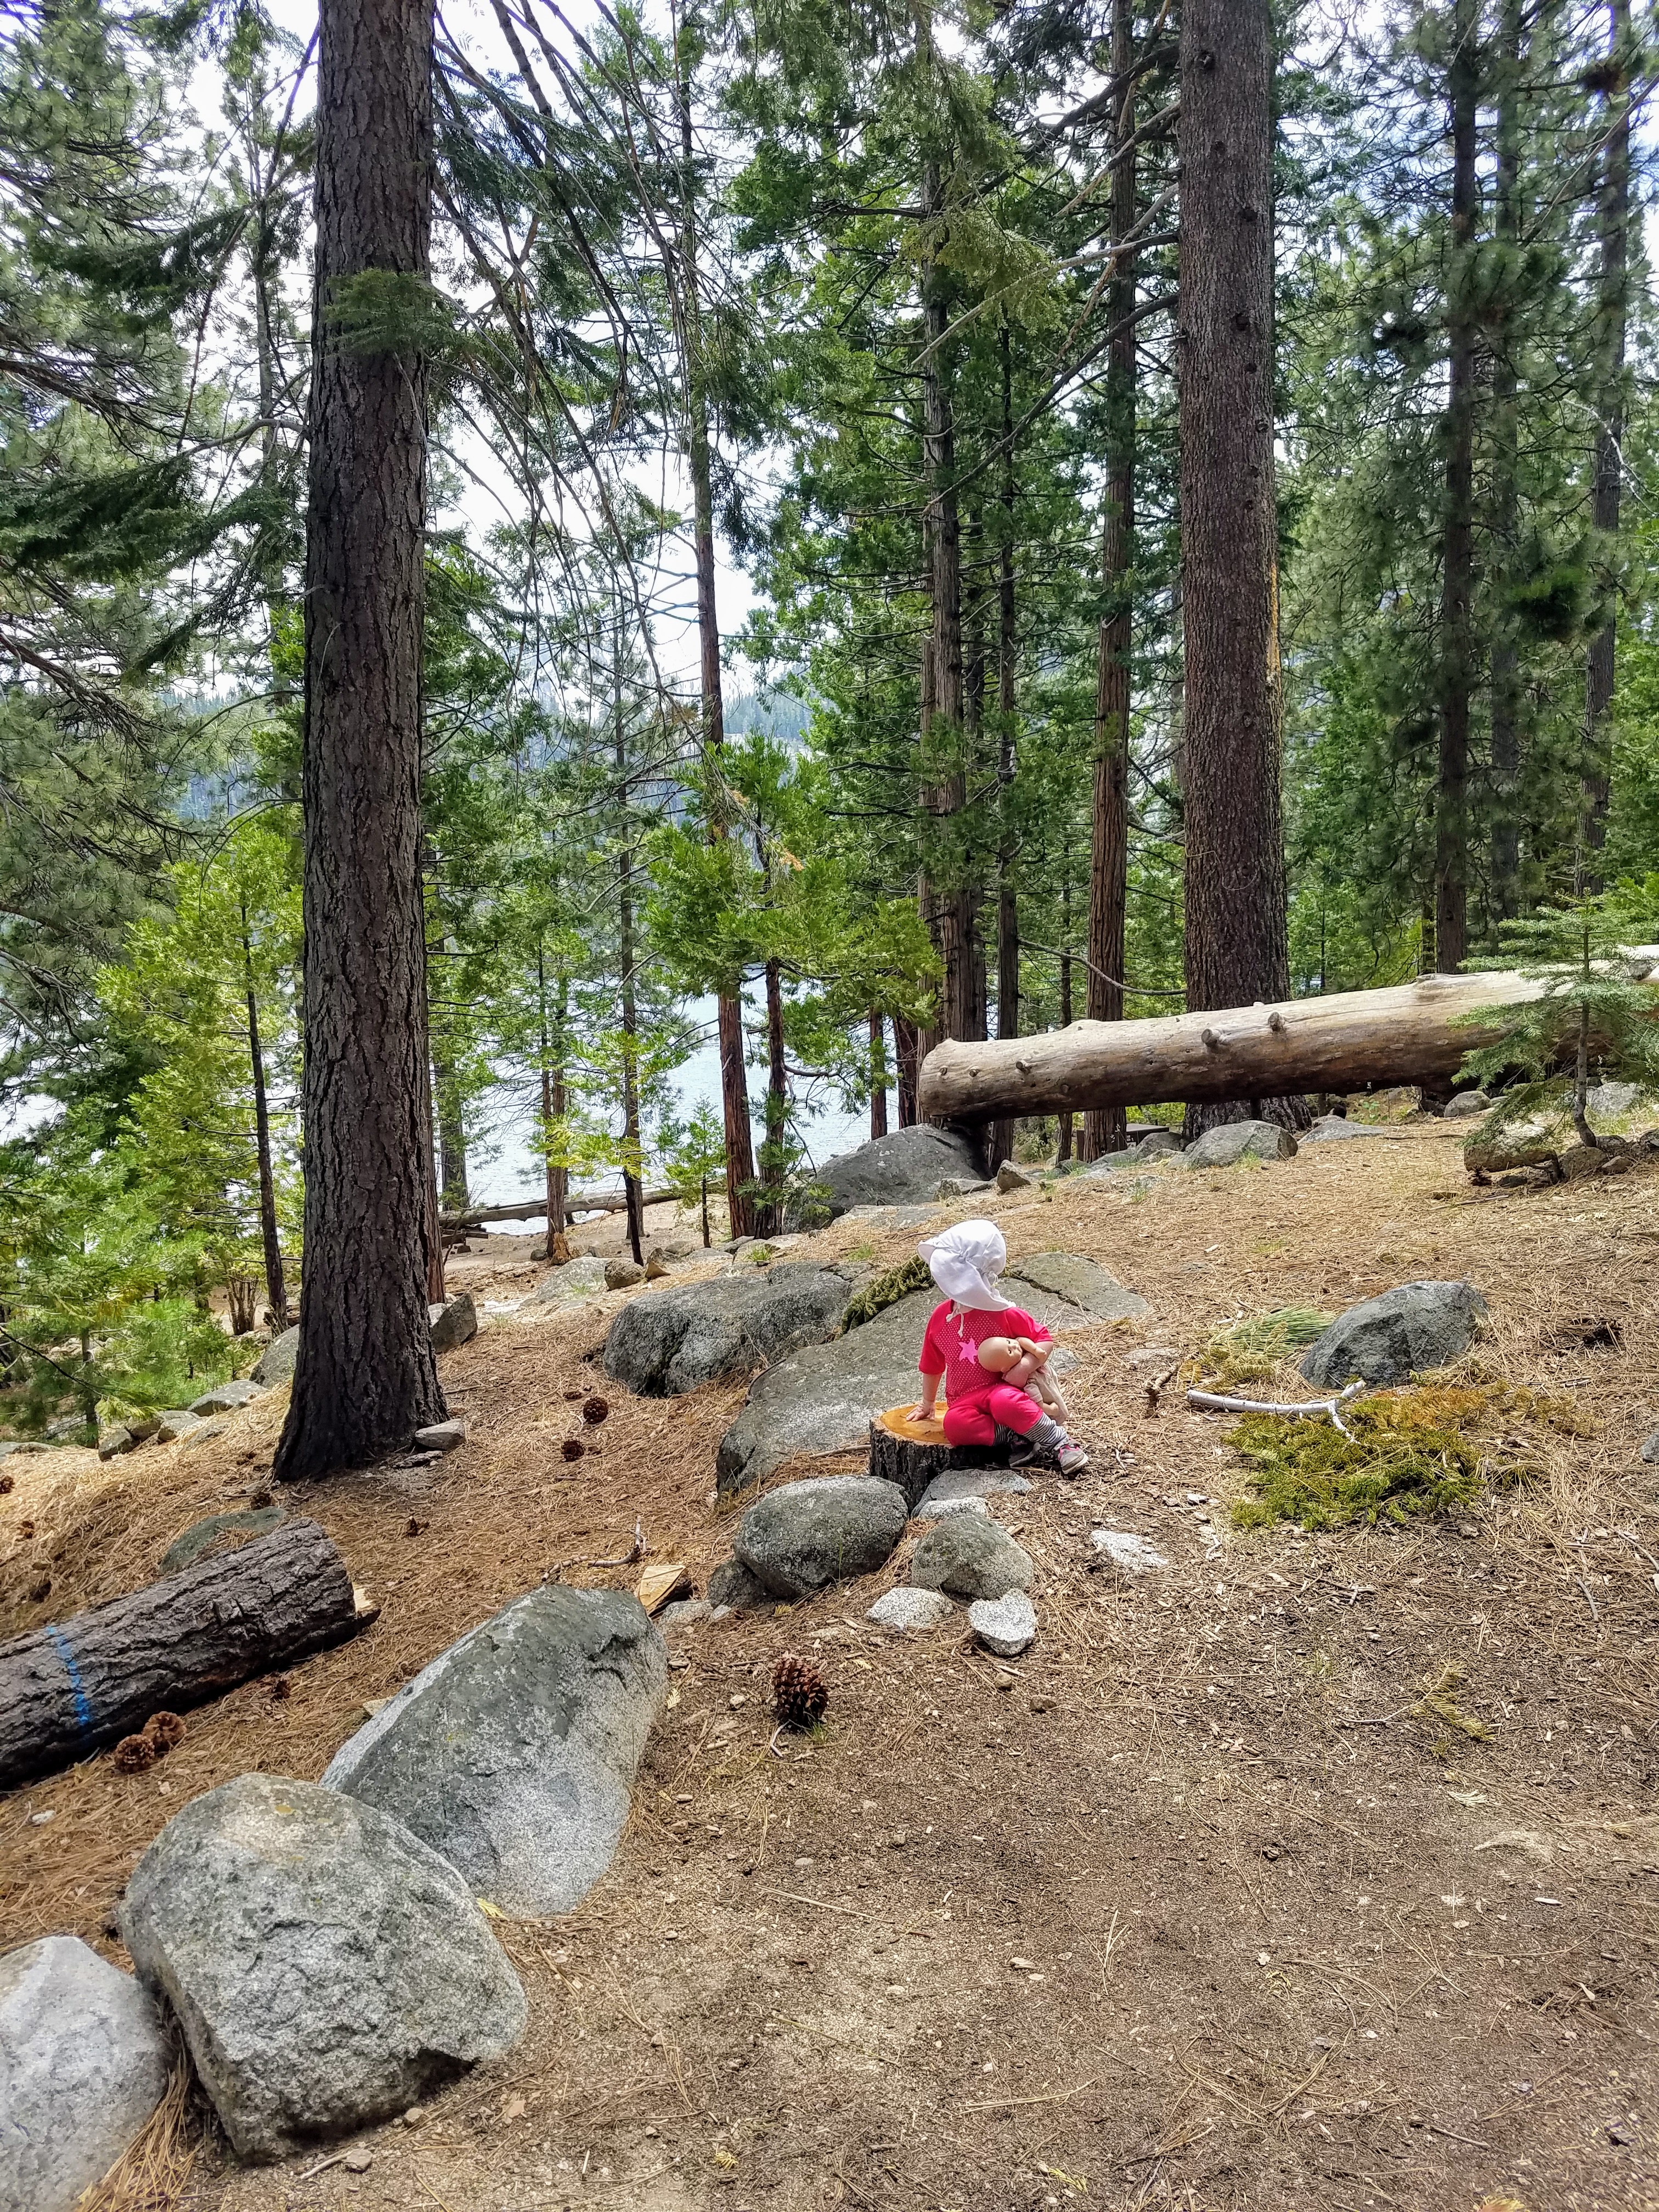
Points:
[(1186, 1907)]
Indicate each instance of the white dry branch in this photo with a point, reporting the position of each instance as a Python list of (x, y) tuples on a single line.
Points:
[(1213, 1402)]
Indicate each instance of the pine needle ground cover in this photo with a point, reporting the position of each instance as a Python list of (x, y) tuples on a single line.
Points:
[(1406, 1455)]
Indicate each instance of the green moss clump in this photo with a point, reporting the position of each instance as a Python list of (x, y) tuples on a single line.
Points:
[(911, 1274), (1408, 1455)]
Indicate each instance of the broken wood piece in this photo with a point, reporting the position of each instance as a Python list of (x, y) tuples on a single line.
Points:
[(658, 1584), (73, 1686)]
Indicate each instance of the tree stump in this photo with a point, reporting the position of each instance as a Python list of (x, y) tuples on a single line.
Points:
[(73, 1686), (911, 1453)]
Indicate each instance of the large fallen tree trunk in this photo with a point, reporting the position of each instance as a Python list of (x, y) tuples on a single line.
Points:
[(70, 1688), (1409, 1034), (578, 1201)]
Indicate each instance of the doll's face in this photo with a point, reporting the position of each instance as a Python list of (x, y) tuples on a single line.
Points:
[(999, 1354)]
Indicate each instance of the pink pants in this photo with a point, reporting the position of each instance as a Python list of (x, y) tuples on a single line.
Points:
[(974, 1421)]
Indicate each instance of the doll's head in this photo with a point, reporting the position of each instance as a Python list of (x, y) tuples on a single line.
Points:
[(999, 1353)]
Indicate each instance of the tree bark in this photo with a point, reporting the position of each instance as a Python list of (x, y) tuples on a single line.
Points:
[(1612, 299), (452, 1139), (1505, 837), (734, 1084), (906, 1051), (1002, 1136), (553, 1104), (1452, 832), (630, 1074), (70, 1688), (771, 1213), (1063, 1141), (1341, 1042), (1235, 870), (1106, 1129), (366, 1378), (877, 1073), (276, 1288)]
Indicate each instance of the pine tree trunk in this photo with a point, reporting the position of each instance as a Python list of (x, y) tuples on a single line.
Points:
[(1234, 869), (366, 1378), (771, 1213), (1451, 837), (1002, 1132), (632, 1186), (276, 1288), (906, 1051), (1505, 505), (1610, 308), (553, 1110), (734, 1084), (878, 1074), (1063, 1143), (1106, 1128), (947, 907), (451, 1138)]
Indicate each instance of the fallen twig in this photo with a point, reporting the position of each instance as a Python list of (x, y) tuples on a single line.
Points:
[(630, 1557), (1005, 2103), (1213, 1402)]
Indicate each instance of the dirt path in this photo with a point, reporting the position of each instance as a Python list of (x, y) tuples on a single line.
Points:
[(1193, 1913)]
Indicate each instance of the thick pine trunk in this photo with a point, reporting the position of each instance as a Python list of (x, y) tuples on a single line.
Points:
[(906, 1051), (1106, 1128), (1452, 827), (1611, 305), (1235, 870), (365, 1378), (1063, 1142), (557, 1175), (1506, 838), (67, 1690), (769, 1214), (1002, 1136), (632, 1187)]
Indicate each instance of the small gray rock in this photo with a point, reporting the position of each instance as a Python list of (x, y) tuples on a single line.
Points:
[(970, 1486), (1608, 1100), (275, 1363), (1404, 1332), (623, 1275), (675, 1340), (1337, 1128), (112, 1443), (1009, 1177), (1125, 1549), (577, 1279), (829, 1528), (1464, 1105), (174, 1424), (1006, 1625), (733, 1589), (454, 1324), (225, 1399), (1650, 1449), (203, 1430), (684, 1613), (514, 1753), (1230, 1142), (327, 1967), (909, 1607), (441, 1437), (970, 1557), (203, 1537), (83, 2063)]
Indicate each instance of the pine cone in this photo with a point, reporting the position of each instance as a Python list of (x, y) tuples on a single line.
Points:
[(799, 1692), (594, 1411), (164, 1730), (133, 1754), (573, 1447)]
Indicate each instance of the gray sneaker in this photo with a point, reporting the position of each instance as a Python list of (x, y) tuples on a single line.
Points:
[(1073, 1460)]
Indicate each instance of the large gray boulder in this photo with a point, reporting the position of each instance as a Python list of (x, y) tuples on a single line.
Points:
[(514, 1752), (328, 1968), (671, 1341), (1401, 1333), (578, 1279), (823, 1398), (970, 1556), (1230, 1142), (828, 1529), (84, 2062), (275, 1363), (1153, 1144), (903, 1168), (1086, 1288)]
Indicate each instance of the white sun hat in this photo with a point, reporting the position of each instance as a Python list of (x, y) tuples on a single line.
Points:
[(964, 1261)]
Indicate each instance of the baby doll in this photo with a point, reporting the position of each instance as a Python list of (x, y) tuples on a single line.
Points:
[(1023, 1365)]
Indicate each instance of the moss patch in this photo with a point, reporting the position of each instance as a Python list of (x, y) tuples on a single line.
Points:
[(911, 1274), (1409, 1453)]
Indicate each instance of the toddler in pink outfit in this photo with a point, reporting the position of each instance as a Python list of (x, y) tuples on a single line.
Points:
[(980, 1407)]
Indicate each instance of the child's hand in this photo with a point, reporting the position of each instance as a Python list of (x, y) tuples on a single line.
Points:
[(923, 1413)]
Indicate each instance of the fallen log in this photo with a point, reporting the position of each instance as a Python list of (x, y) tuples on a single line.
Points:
[(578, 1201), (1346, 1042), (70, 1688)]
